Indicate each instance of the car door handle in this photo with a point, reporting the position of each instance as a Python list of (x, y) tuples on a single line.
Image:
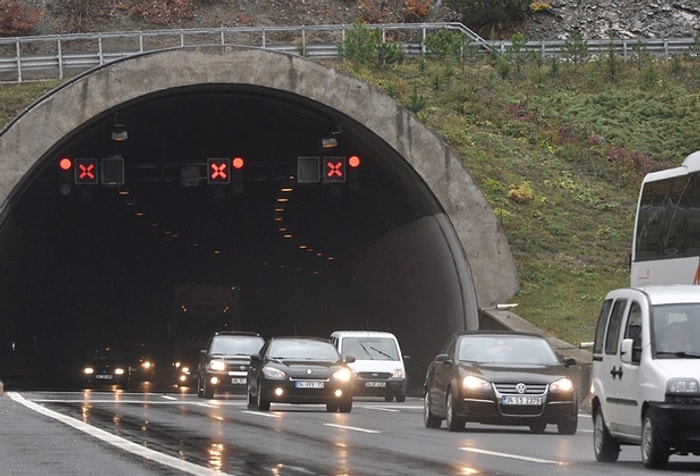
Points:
[(616, 372)]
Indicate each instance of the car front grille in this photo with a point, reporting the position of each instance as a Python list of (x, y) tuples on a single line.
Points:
[(530, 389), (374, 375)]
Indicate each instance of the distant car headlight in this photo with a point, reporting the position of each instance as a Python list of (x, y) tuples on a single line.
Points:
[(88, 371), (119, 371), (273, 373), (146, 364), (217, 365), (185, 370), (343, 375), (474, 383), (561, 385), (397, 373), (682, 385)]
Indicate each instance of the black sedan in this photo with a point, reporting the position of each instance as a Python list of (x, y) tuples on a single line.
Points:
[(500, 378), (106, 365), (300, 370)]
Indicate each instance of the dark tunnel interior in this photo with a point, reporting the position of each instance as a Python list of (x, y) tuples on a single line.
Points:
[(166, 254)]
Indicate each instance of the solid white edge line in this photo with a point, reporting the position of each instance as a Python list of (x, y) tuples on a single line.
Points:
[(117, 441), (510, 456), (253, 412), (353, 428)]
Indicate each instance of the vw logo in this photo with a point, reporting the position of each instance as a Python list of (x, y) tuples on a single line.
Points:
[(309, 371), (521, 388)]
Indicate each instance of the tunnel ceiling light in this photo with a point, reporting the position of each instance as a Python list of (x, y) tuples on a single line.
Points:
[(119, 133), (329, 142)]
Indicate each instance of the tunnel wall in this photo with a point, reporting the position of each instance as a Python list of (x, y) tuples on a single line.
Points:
[(32, 135)]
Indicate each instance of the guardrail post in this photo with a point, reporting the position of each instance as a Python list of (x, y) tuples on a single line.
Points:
[(264, 39), (59, 49), (19, 60), (99, 46), (140, 41)]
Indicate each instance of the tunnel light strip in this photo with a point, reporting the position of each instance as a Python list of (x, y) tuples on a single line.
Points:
[(117, 441)]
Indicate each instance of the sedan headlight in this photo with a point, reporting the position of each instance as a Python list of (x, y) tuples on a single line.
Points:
[(682, 385), (343, 375), (562, 385), (273, 373), (88, 371), (119, 371), (217, 365), (474, 383)]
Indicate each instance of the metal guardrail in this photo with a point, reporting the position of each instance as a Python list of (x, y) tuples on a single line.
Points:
[(59, 56)]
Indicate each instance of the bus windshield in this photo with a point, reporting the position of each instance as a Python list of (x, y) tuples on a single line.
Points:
[(666, 243)]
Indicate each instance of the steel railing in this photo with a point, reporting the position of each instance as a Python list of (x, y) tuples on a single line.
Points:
[(60, 56)]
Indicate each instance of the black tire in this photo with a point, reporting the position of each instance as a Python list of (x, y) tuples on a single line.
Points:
[(389, 398), (655, 452), (605, 446), (538, 427), (252, 404), (345, 406), (262, 404), (200, 390), (207, 391), (400, 398), (453, 422), (568, 426), (429, 420), (332, 407)]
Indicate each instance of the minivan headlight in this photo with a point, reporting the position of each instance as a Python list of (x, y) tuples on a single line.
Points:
[(682, 385), (397, 373)]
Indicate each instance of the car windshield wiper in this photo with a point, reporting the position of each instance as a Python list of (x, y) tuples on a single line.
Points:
[(381, 352)]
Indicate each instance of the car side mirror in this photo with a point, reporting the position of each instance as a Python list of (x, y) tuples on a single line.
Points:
[(443, 358), (626, 350), (349, 359), (255, 356), (568, 361), (203, 352)]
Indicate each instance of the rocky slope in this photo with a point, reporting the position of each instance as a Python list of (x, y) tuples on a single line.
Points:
[(592, 18)]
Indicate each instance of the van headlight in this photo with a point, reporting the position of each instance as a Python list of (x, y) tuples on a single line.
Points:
[(397, 373), (682, 385)]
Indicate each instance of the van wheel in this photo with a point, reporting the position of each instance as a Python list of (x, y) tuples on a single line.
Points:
[(606, 448), (654, 452)]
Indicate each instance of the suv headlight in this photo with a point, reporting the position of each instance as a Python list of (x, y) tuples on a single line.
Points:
[(273, 373), (682, 385), (217, 365), (562, 385)]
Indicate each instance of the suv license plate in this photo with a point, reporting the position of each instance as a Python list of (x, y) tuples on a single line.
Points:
[(521, 400), (307, 384), (238, 381)]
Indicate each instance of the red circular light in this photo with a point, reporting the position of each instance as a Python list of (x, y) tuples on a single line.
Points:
[(65, 163), (354, 161), (238, 162)]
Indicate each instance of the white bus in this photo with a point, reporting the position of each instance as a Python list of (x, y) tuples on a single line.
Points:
[(666, 242)]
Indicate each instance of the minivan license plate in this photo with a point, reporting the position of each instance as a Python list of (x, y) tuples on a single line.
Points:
[(521, 400)]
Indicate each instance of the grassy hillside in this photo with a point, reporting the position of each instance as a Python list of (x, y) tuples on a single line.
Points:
[(559, 149)]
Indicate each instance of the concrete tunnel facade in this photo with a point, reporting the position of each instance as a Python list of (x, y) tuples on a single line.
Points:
[(470, 266)]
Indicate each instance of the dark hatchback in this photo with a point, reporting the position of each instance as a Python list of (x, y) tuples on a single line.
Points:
[(300, 370), (104, 366), (500, 378), (223, 365)]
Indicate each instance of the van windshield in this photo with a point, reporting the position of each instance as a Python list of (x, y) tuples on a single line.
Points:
[(676, 330), (370, 348)]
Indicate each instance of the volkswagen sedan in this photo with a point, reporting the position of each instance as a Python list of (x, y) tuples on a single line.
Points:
[(500, 378)]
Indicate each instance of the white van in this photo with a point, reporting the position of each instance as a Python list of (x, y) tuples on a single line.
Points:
[(646, 373), (378, 369)]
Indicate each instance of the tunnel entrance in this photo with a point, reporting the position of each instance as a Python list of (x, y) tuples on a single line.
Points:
[(304, 249)]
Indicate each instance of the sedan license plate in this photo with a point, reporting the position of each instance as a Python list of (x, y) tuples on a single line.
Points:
[(308, 384), (238, 381), (103, 377), (375, 384), (521, 400)]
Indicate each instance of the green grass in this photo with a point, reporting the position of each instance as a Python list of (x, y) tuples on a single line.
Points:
[(558, 149)]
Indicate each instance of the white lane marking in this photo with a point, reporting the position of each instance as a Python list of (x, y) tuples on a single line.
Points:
[(511, 456), (117, 441), (353, 428), (168, 397), (269, 415), (382, 409)]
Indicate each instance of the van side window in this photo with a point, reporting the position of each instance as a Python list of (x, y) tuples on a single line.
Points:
[(613, 335), (634, 330), (600, 328)]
